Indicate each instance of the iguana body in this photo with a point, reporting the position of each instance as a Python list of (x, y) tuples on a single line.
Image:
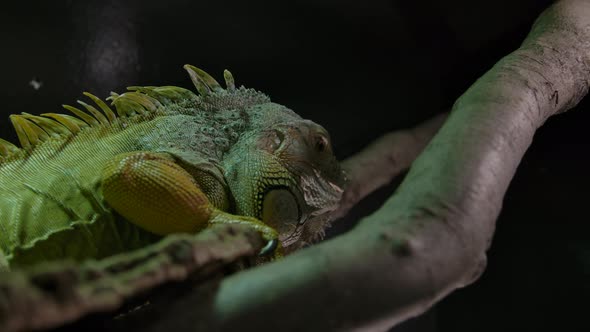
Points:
[(169, 161)]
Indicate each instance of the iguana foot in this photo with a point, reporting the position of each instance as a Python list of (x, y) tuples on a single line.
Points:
[(268, 233)]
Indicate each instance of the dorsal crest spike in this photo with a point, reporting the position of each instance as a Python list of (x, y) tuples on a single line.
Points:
[(103, 106), (164, 94), (27, 132), (149, 104), (51, 127), (204, 83), (72, 123), (101, 118), (229, 80), (82, 115), (7, 148), (125, 106)]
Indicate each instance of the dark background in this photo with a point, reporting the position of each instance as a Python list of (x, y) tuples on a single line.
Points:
[(360, 68)]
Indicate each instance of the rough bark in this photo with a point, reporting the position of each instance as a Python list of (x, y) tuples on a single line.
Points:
[(431, 236)]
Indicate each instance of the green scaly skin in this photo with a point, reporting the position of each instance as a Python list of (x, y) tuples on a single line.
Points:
[(250, 157)]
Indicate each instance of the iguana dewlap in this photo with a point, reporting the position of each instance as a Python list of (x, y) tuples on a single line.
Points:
[(164, 160)]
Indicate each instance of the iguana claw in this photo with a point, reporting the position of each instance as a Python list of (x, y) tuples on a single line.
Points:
[(269, 248)]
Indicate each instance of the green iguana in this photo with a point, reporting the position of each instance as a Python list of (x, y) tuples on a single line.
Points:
[(165, 160)]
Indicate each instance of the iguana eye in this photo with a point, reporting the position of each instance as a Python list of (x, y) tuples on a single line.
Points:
[(272, 140), (276, 139)]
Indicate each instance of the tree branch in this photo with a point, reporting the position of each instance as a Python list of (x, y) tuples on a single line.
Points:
[(56, 293), (384, 159), (431, 236)]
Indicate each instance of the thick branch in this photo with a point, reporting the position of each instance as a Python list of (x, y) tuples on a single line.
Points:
[(431, 236)]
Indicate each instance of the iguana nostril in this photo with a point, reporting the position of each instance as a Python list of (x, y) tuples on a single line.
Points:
[(316, 136), (321, 143)]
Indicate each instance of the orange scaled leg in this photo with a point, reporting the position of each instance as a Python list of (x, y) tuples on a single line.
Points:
[(152, 191)]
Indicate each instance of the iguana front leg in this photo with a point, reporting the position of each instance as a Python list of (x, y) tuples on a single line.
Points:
[(152, 191)]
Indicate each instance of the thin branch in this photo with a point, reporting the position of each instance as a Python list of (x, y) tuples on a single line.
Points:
[(384, 159)]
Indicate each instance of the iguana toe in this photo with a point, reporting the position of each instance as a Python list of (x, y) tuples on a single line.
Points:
[(269, 248)]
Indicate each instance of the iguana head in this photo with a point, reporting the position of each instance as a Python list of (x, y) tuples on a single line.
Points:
[(284, 172), (281, 169), (302, 150)]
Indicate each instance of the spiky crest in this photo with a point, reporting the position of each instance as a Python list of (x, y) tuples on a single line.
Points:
[(33, 129)]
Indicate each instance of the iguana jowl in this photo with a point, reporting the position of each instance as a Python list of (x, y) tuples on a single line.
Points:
[(165, 160)]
